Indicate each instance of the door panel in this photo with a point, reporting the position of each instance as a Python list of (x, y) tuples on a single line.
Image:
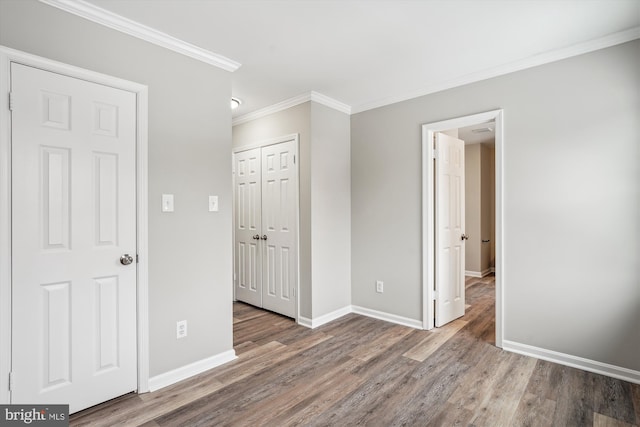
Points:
[(248, 224), (279, 211), (449, 228), (73, 216)]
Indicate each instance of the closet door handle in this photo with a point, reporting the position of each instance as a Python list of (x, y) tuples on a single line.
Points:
[(264, 237), (256, 237)]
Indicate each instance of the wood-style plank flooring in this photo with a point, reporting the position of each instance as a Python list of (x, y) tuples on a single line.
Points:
[(362, 371)]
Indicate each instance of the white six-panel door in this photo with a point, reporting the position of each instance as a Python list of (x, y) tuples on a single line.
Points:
[(449, 228), (248, 220), (73, 217), (279, 229), (266, 203)]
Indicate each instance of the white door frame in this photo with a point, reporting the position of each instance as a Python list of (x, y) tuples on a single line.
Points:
[(428, 212), (7, 56), (272, 141)]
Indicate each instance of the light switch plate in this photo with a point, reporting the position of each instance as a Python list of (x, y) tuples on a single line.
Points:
[(213, 203), (181, 329), (167, 203)]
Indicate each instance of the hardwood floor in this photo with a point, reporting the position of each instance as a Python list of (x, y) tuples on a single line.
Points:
[(362, 371)]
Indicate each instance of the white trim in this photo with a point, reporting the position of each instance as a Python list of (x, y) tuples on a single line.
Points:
[(142, 224), (5, 227), (190, 370), (532, 61), (271, 109), (305, 321), (7, 56), (479, 274), (330, 102), (292, 102), (428, 213), (125, 25), (267, 142), (325, 318), (387, 317), (589, 365), (363, 311)]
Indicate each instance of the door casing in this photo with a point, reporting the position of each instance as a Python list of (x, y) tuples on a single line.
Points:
[(7, 56), (277, 140), (429, 206)]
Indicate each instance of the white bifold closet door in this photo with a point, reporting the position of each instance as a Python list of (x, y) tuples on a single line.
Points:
[(266, 227)]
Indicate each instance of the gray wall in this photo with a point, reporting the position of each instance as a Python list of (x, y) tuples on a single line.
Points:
[(479, 207), (571, 202), (472, 207), (189, 156), (487, 209), (330, 209)]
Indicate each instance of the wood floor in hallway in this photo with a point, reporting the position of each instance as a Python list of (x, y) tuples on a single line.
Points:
[(362, 371)]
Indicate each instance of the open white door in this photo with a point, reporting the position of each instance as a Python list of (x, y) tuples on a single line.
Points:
[(279, 227), (248, 219), (449, 228), (73, 221)]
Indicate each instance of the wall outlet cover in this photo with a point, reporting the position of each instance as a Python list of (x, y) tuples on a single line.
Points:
[(181, 329)]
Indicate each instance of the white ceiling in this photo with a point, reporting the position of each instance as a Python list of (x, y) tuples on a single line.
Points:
[(371, 53)]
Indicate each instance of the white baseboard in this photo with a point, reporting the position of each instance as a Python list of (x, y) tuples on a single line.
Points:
[(573, 361), (305, 321), (172, 377), (479, 274), (393, 318), (325, 318)]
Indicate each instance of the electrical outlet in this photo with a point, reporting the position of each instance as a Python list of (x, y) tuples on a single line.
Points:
[(181, 329), (379, 286)]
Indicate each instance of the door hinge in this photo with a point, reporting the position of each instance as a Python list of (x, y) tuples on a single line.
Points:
[(294, 292), (11, 379), (294, 159), (11, 101), (434, 154), (137, 259)]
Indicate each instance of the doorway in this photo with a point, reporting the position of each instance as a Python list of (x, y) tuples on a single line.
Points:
[(265, 180), (73, 208), (429, 206)]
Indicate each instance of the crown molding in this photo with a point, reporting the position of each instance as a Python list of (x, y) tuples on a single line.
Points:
[(125, 25), (271, 109), (330, 102), (292, 102), (533, 61)]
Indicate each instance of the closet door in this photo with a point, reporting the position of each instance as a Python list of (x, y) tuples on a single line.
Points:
[(248, 189), (266, 227), (279, 228)]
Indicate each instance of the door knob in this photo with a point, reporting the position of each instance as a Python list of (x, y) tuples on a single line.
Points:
[(264, 237), (256, 237), (464, 237), (126, 259)]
